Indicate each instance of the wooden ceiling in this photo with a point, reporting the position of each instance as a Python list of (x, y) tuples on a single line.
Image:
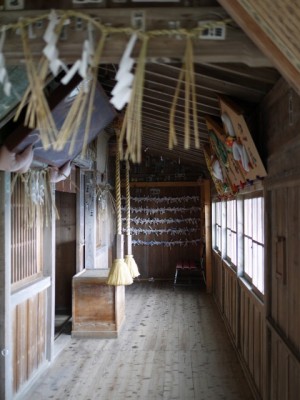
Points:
[(233, 67)]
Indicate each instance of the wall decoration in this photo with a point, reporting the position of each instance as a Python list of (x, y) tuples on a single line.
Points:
[(166, 226), (232, 171), (222, 185), (243, 147)]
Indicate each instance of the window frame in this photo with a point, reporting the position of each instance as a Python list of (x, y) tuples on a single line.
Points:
[(250, 279)]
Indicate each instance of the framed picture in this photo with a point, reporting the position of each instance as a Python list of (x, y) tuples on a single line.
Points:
[(14, 4)]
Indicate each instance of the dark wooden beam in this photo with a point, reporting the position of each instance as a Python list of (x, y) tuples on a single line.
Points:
[(235, 48)]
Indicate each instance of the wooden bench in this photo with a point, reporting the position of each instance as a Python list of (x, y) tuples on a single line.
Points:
[(185, 266)]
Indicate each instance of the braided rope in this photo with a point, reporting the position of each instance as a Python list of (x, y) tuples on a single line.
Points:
[(118, 194), (127, 199)]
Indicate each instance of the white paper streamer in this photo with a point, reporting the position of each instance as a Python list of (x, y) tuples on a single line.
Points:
[(168, 221), (181, 243), (159, 232), (3, 72), (50, 50), (162, 210), (122, 91), (166, 200)]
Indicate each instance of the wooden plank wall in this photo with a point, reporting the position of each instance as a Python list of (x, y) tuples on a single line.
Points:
[(243, 314), (281, 124), (267, 335), (252, 334), (65, 250), (217, 280), (28, 342)]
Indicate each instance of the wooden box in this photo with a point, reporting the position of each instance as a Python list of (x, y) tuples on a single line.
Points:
[(98, 308)]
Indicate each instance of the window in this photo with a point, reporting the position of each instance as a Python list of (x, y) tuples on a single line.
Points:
[(254, 241), (217, 225), (231, 212)]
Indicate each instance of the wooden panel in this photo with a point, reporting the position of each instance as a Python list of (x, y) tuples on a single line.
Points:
[(41, 328), (28, 340), (21, 344), (230, 298), (285, 302), (32, 307), (217, 279), (65, 249), (252, 335), (98, 309), (285, 372)]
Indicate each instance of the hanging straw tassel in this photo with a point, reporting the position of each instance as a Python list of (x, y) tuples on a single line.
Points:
[(187, 77), (119, 273), (133, 268), (132, 123), (83, 105), (38, 113)]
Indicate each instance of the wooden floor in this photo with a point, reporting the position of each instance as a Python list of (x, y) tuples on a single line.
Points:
[(173, 346)]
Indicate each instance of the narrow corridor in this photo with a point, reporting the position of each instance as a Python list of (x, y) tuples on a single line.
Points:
[(173, 346)]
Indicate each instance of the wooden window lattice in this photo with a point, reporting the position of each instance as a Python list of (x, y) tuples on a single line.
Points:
[(26, 238)]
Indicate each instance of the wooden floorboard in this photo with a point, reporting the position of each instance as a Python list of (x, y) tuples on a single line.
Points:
[(173, 346)]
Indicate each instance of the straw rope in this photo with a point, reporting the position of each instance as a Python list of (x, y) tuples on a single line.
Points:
[(127, 199), (129, 259), (133, 117), (38, 112), (186, 77), (118, 194)]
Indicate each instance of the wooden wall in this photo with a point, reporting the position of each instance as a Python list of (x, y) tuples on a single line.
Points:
[(267, 334), (65, 250), (29, 338), (281, 124), (243, 314)]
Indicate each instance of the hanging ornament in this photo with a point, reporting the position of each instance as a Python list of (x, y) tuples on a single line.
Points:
[(123, 88), (4, 80), (186, 77)]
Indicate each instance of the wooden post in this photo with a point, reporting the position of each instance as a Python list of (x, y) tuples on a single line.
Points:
[(208, 244), (49, 270), (79, 220), (90, 222), (5, 283)]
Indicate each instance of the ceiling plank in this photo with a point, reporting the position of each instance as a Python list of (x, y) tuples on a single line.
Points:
[(260, 38)]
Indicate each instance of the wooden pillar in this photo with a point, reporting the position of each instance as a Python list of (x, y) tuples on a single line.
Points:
[(90, 222), (208, 243), (5, 283), (49, 270), (80, 220)]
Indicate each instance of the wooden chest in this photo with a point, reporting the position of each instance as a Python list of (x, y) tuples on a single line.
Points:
[(98, 309)]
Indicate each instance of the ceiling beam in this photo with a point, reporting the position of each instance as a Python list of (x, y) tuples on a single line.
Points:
[(263, 41), (235, 48)]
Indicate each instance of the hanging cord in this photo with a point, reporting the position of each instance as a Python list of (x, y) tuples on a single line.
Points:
[(129, 260), (186, 77), (118, 193), (127, 199), (119, 273)]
